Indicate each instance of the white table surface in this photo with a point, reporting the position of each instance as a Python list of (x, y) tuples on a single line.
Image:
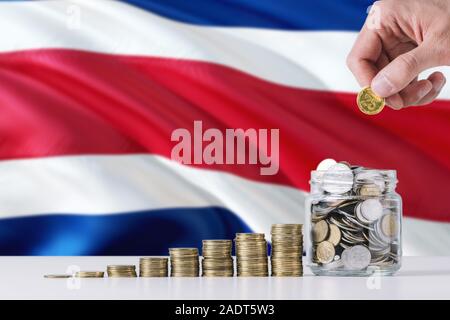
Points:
[(22, 278)]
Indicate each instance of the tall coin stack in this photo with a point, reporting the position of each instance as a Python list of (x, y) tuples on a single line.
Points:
[(251, 255), (153, 267), (184, 262), (121, 271), (217, 260), (287, 250)]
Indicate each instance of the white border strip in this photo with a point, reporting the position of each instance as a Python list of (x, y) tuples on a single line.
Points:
[(314, 60)]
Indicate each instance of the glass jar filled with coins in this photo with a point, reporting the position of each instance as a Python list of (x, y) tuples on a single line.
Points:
[(353, 221)]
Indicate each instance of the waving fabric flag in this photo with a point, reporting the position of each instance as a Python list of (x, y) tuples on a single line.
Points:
[(91, 91)]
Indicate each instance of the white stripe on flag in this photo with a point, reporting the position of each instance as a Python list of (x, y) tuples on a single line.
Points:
[(116, 184)]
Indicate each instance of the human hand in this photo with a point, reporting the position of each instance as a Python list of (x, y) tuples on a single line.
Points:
[(408, 37)]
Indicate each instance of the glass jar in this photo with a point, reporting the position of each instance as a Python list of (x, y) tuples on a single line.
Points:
[(353, 221)]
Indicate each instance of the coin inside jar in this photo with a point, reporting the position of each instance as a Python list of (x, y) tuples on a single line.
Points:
[(369, 190), (320, 231), (369, 210), (389, 225), (356, 258), (334, 235), (370, 177), (358, 214), (338, 179), (326, 164), (325, 252)]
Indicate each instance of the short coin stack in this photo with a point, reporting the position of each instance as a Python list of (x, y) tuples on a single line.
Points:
[(184, 262), (89, 274), (153, 267), (217, 260), (121, 271), (251, 255), (287, 250)]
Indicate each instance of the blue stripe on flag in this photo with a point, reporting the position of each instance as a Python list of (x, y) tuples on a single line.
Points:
[(274, 14), (139, 233)]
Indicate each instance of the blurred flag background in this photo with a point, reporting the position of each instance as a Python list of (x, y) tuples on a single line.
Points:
[(90, 92)]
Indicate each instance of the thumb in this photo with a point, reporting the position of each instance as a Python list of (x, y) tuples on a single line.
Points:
[(401, 71)]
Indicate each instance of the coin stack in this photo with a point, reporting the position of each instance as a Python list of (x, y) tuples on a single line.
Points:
[(217, 260), (89, 274), (184, 262), (153, 267), (355, 224), (251, 255), (121, 271), (287, 250)]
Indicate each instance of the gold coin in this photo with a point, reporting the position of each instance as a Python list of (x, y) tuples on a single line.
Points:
[(249, 236), (369, 190), (154, 260), (325, 252), (369, 103), (89, 274), (57, 276), (335, 235), (320, 231), (121, 267), (389, 225), (183, 251), (217, 242)]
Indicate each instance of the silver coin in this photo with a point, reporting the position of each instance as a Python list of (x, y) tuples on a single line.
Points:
[(375, 241), (379, 236), (326, 164), (345, 253), (321, 208), (357, 258), (380, 251), (338, 179), (354, 221), (349, 224), (322, 167), (342, 226), (359, 215), (353, 237), (347, 203), (371, 209)]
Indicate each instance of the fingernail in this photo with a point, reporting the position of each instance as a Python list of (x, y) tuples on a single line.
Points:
[(382, 86)]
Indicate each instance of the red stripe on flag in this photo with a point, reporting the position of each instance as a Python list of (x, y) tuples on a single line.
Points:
[(64, 102)]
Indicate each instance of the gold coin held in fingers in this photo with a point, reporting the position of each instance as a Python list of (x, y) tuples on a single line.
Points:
[(369, 103)]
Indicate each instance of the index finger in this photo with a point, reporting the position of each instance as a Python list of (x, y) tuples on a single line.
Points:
[(364, 56)]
